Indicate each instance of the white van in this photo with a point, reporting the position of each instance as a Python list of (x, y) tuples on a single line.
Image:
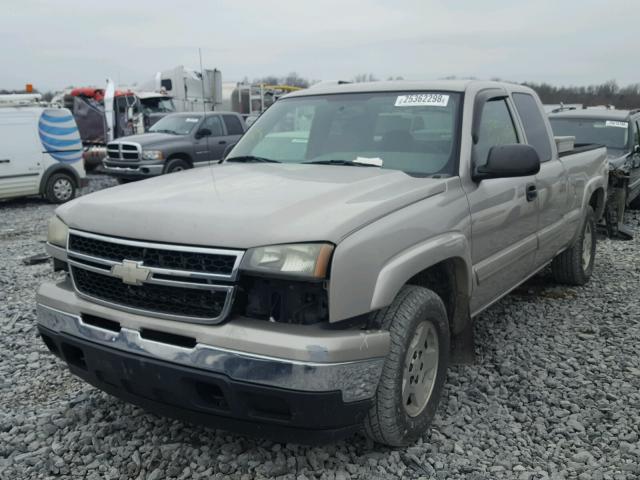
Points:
[(40, 153)]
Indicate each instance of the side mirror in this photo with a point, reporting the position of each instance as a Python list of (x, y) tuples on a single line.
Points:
[(506, 161), (636, 149), (203, 132), (227, 149)]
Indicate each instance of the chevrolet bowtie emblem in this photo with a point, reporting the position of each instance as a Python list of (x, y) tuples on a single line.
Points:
[(130, 272)]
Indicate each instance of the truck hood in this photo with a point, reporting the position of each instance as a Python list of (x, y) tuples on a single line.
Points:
[(151, 139), (243, 206)]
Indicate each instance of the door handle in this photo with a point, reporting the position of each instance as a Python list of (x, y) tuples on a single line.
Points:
[(532, 192), (222, 142), (5, 160)]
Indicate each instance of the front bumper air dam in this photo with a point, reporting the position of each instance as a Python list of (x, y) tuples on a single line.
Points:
[(286, 400)]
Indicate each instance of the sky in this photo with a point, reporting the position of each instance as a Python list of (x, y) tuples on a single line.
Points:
[(56, 44)]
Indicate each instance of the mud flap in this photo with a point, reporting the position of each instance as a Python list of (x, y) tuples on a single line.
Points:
[(463, 350)]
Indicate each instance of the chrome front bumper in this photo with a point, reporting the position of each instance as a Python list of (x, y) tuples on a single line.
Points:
[(356, 380), (137, 170)]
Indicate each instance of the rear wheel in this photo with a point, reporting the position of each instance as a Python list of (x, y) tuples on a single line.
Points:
[(176, 165), (60, 188), (415, 369), (575, 265)]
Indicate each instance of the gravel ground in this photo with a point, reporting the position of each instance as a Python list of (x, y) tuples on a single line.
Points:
[(554, 393)]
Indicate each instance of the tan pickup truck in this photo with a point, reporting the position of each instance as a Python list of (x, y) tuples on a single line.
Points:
[(322, 278)]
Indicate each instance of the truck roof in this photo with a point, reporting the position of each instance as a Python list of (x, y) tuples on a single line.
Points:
[(403, 85), (593, 113), (199, 114)]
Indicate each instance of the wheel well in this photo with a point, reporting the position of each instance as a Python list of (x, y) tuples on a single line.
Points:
[(597, 202), (182, 156), (449, 280)]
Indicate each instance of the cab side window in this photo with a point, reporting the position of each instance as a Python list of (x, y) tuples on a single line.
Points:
[(496, 128), (214, 124), (636, 133), (534, 125)]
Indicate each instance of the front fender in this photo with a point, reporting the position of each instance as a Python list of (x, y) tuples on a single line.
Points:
[(407, 264), (371, 264)]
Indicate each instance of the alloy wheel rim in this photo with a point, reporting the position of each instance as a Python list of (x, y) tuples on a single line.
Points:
[(62, 189), (587, 244), (420, 369)]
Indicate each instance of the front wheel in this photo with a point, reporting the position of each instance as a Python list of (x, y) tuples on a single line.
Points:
[(60, 188), (574, 266), (176, 165), (415, 369)]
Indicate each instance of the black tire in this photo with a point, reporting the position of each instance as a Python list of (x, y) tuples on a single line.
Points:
[(60, 188), (176, 165), (574, 266), (388, 420), (124, 181)]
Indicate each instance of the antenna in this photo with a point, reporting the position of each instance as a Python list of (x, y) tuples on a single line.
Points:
[(204, 104)]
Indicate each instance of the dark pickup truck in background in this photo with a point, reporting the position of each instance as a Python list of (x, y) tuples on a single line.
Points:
[(619, 131), (176, 142)]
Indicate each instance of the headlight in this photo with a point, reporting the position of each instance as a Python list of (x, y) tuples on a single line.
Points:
[(300, 259), (58, 232), (152, 154)]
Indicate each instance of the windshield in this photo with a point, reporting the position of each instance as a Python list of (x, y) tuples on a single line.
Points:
[(610, 133), (415, 132), (158, 105), (175, 124)]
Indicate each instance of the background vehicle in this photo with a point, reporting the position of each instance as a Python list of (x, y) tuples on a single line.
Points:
[(250, 100), (176, 142), (40, 151), (326, 287), (154, 107), (191, 90), (103, 115), (619, 131)]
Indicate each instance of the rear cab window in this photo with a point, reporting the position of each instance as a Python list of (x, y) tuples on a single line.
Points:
[(534, 126), (233, 124)]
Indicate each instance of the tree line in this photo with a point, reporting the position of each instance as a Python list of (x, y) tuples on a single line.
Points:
[(607, 93)]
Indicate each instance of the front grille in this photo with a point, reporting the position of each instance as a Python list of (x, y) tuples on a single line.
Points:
[(218, 264), (162, 299), (176, 282), (123, 151)]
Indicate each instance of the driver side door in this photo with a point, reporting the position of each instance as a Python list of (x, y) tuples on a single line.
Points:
[(504, 216)]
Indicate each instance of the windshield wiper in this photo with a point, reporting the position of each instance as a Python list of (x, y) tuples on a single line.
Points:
[(164, 131), (251, 159), (349, 163)]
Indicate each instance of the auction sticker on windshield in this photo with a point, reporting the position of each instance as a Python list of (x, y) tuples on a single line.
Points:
[(191, 120), (611, 123), (422, 100)]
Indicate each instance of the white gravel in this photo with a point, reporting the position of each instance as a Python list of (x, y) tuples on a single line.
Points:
[(555, 393)]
